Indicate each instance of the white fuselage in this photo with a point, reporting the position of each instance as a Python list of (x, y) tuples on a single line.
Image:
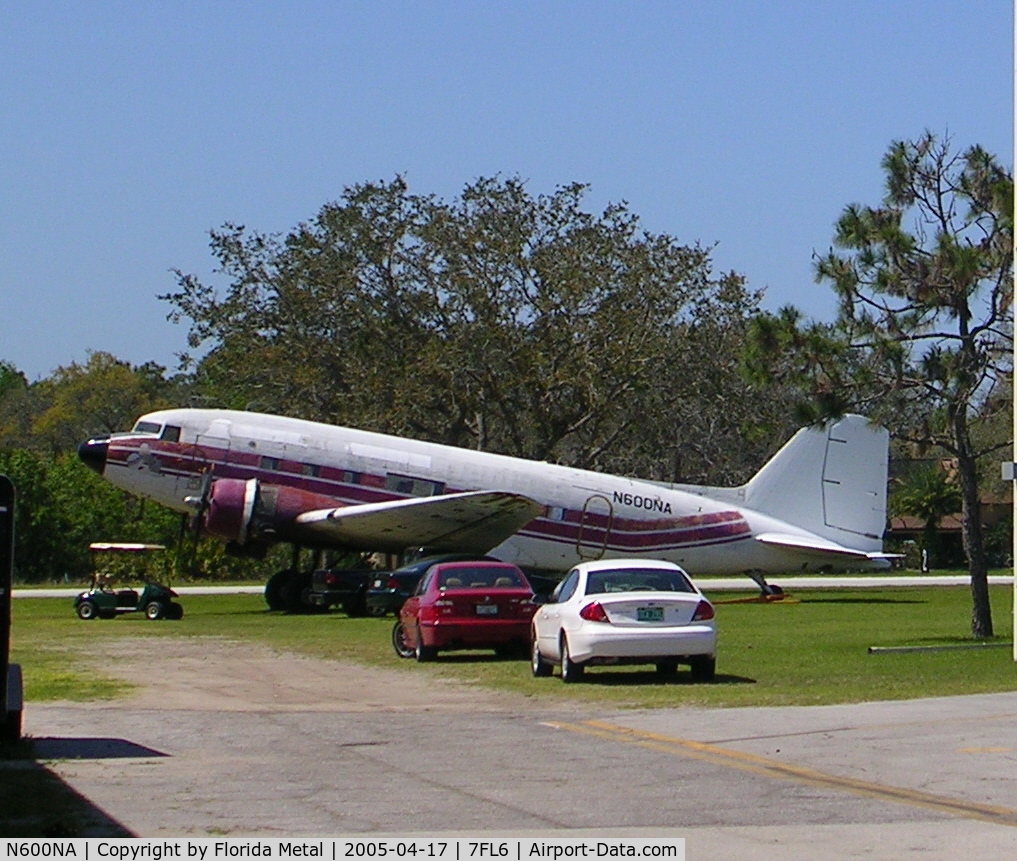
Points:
[(587, 515)]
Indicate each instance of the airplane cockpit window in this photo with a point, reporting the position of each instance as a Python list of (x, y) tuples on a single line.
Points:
[(148, 427), (170, 433)]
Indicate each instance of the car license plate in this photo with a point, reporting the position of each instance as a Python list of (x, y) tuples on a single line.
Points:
[(487, 609), (649, 614)]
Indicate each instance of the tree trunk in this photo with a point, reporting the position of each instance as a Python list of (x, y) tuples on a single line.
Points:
[(971, 519)]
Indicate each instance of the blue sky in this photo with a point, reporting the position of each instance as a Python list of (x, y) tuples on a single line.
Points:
[(129, 130)]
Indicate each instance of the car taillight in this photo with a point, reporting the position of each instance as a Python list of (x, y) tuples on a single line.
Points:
[(331, 579), (392, 583), (703, 612), (593, 613)]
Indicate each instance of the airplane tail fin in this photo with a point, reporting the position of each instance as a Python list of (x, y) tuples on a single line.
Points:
[(830, 481)]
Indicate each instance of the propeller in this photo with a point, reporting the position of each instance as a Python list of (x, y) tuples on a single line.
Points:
[(194, 520)]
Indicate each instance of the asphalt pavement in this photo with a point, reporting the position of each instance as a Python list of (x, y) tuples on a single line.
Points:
[(932, 778)]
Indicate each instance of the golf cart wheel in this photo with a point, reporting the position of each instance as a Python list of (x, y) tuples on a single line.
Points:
[(87, 610), (155, 610), (176, 611)]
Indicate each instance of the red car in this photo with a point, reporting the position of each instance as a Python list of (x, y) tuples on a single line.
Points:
[(466, 605)]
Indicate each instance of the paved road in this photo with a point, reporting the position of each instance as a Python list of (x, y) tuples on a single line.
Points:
[(930, 779)]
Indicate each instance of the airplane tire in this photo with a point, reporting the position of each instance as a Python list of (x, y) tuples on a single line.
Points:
[(274, 590), (666, 668)]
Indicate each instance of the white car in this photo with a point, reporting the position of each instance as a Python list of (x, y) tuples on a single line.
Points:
[(625, 611)]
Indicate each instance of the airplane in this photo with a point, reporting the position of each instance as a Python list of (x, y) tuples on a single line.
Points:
[(254, 480)]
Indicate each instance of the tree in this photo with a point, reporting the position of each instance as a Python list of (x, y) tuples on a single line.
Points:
[(499, 320), (926, 493), (924, 330)]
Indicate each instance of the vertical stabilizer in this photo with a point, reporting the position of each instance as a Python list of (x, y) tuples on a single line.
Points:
[(830, 481)]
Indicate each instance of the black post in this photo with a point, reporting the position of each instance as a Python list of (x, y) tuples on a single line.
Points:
[(10, 689)]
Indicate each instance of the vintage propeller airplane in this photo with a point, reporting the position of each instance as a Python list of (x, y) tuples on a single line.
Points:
[(254, 480)]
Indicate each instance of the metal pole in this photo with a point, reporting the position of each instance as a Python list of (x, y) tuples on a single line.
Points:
[(1013, 370)]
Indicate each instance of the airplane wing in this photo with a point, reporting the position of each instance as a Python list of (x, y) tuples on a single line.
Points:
[(471, 522)]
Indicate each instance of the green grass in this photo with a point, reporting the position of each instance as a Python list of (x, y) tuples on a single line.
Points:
[(810, 650)]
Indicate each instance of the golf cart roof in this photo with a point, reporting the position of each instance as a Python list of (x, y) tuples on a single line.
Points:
[(100, 546)]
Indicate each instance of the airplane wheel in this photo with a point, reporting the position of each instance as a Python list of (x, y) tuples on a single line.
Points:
[(666, 668), (296, 592), (274, 590)]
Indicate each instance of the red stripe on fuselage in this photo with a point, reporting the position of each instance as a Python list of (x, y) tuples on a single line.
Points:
[(624, 534)]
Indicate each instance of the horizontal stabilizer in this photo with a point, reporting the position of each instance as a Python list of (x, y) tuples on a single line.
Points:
[(472, 522), (810, 544)]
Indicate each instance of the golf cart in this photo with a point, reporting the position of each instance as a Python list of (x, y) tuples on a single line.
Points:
[(116, 567)]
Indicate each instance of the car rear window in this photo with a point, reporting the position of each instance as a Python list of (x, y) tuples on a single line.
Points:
[(480, 577), (637, 580)]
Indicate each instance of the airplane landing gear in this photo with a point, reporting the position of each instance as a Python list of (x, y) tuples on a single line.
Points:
[(767, 591)]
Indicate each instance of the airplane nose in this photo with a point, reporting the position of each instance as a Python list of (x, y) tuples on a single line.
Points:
[(93, 453)]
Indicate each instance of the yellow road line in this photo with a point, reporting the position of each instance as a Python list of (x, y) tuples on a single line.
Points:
[(767, 767)]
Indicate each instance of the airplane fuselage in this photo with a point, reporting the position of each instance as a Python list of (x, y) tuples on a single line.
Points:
[(586, 515)]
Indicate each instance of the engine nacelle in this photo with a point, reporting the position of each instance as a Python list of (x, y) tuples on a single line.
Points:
[(251, 512)]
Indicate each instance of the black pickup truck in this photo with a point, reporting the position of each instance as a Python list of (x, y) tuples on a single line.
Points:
[(342, 587)]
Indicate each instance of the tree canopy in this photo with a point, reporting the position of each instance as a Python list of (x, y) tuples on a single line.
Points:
[(499, 320)]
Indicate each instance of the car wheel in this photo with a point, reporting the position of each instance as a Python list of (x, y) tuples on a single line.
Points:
[(570, 670), (538, 666), (155, 610), (402, 648), (424, 653), (87, 610), (666, 668), (704, 668)]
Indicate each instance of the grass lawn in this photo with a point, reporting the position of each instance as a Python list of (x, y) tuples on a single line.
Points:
[(812, 649)]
